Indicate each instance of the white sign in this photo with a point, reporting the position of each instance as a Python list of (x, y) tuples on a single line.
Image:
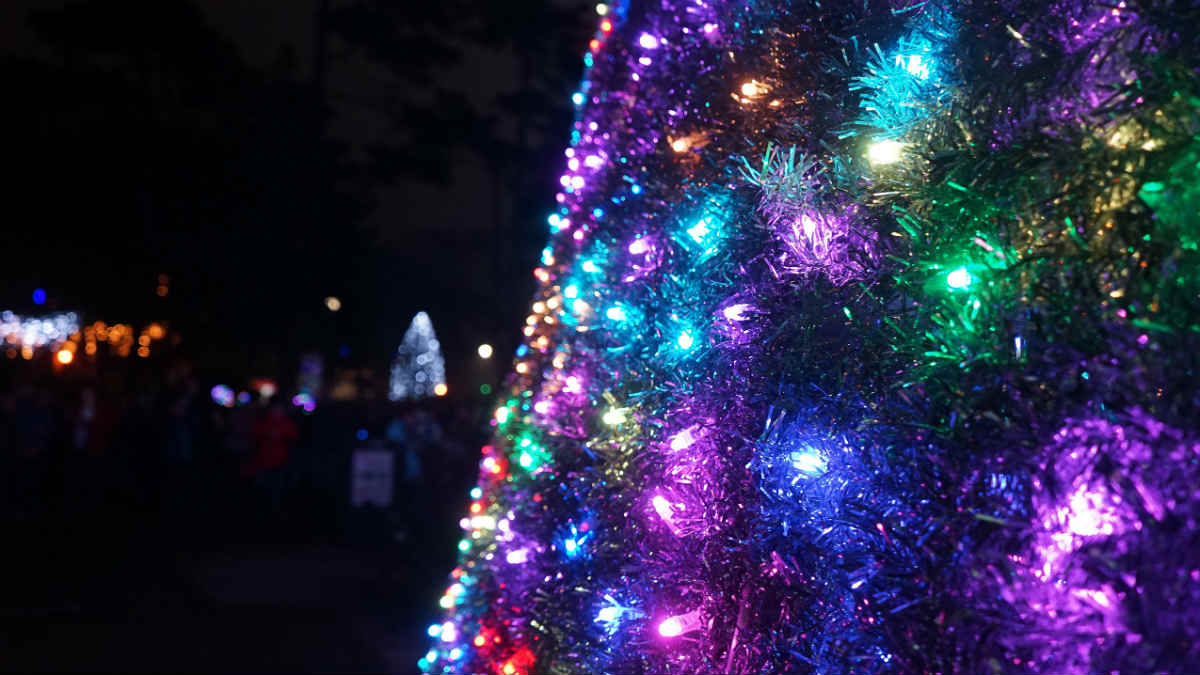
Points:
[(372, 477)]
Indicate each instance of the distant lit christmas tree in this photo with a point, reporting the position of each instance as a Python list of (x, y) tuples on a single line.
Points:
[(867, 340), (418, 369)]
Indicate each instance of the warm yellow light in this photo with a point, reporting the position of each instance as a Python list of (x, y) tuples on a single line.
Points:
[(144, 340), (143, 352), (90, 348), (65, 356), (27, 352), (539, 307), (333, 304), (522, 367), (602, 10), (485, 351), (752, 89), (613, 417), (156, 331), (679, 145), (885, 152), (440, 389)]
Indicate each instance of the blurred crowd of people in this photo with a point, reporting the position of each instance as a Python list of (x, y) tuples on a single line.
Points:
[(155, 446)]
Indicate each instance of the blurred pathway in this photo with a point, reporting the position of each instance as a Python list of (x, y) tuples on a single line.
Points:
[(293, 606)]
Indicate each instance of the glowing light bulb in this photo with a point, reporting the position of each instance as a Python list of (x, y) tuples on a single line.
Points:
[(571, 292), (517, 557), (678, 625), (440, 389), (699, 231), (333, 304), (679, 145), (639, 246), (502, 414), (577, 98), (648, 41), (885, 152), (751, 89), (64, 356), (709, 28), (683, 439), (613, 417), (736, 312), (959, 278), (685, 340), (615, 313), (808, 462), (670, 628), (914, 64), (602, 9), (484, 350), (449, 632), (665, 510), (608, 614), (590, 267)]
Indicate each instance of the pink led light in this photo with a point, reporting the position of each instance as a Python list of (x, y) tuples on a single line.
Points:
[(683, 439), (683, 623)]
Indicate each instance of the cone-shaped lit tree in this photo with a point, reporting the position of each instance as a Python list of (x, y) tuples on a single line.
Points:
[(418, 368), (867, 340)]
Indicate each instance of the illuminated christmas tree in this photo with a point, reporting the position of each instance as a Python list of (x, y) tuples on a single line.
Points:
[(866, 340), (418, 369)]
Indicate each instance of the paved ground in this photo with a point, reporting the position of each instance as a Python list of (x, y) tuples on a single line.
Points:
[(144, 597)]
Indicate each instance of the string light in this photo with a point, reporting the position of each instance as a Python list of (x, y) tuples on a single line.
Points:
[(958, 279), (882, 153)]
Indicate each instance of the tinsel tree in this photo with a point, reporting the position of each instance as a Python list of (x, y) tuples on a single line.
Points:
[(418, 367), (866, 341)]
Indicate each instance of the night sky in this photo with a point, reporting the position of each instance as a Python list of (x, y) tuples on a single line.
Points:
[(189, 139)]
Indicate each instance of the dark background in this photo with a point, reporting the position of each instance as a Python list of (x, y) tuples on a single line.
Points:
[(266, 154), (262, 155)]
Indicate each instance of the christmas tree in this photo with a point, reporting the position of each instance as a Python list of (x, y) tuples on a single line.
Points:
[(418, 369), (866, 341)]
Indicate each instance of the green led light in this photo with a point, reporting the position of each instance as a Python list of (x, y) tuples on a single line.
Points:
[(958, 279)]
